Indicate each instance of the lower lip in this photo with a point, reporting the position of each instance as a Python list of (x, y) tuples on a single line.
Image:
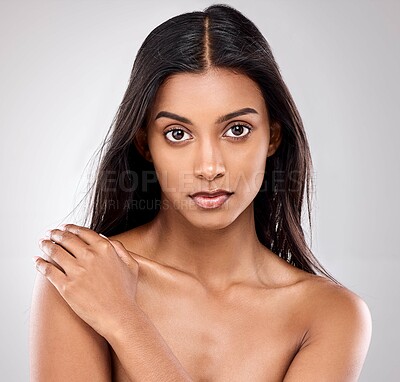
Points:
[(211, 202)]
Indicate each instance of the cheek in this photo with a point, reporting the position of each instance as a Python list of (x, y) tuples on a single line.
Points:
[(247, 170), (171, 172), (168, 175)]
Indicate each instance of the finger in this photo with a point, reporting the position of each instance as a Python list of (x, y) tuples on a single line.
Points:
[(118, 247), (124, 254), (58, 254), (51, 272), (74, 245), (85, 234)]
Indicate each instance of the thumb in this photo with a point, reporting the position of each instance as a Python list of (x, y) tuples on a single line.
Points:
[(122, 253)]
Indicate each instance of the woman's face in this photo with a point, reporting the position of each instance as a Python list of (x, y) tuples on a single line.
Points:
[(196, 145)]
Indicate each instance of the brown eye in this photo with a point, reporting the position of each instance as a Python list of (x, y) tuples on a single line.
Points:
[(175, 135), (238, 130)]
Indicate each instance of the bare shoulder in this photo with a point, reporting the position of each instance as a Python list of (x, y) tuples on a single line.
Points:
[(62, 346), (338, 333), (324, 298), (319, 295), (334, 322), (331, 307)]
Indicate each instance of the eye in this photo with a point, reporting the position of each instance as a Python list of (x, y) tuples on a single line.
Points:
[(175, 135), (238, 130)]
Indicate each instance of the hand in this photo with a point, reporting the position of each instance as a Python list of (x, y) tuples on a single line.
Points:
[(96, 276)]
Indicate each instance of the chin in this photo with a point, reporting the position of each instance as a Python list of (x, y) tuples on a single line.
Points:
[(211, 221), (210, 226)]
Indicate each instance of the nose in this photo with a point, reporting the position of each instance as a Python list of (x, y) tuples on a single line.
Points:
[(209, 162)]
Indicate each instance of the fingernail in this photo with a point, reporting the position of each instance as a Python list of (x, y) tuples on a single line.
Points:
[(34, 259), (105, 237)]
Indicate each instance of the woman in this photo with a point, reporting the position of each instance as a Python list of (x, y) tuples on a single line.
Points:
[(201, 270)]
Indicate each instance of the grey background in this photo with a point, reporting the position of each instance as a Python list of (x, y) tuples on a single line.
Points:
[(65, 66)]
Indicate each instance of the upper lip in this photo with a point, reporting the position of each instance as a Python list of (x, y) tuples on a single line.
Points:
[(212, 193)]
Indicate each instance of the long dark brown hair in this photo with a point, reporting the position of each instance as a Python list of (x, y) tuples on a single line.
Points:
[(125, 192)]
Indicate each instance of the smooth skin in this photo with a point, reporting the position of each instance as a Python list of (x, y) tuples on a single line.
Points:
[(228, 308)]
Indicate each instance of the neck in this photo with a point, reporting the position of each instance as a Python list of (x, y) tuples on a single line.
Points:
[(217, 258)]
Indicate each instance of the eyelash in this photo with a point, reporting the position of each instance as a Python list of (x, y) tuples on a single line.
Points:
[(250, 129)]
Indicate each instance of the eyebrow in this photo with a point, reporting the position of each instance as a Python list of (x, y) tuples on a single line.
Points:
[(223, 118)]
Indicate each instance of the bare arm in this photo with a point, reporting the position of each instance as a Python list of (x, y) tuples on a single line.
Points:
[(142, 351), (338, 341), (63, 348)]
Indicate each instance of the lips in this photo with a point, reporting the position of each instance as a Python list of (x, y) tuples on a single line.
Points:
[(213, 199)]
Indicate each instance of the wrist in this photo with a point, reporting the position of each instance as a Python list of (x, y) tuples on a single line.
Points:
[(139, 346), (124, 324)]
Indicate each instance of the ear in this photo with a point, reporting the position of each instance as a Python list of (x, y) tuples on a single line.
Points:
[(140, 142), (275, 138)]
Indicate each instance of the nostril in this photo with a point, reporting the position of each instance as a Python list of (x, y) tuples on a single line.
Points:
[(210, 176)]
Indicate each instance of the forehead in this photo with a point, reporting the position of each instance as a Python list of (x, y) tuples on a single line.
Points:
[(215, 90)]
